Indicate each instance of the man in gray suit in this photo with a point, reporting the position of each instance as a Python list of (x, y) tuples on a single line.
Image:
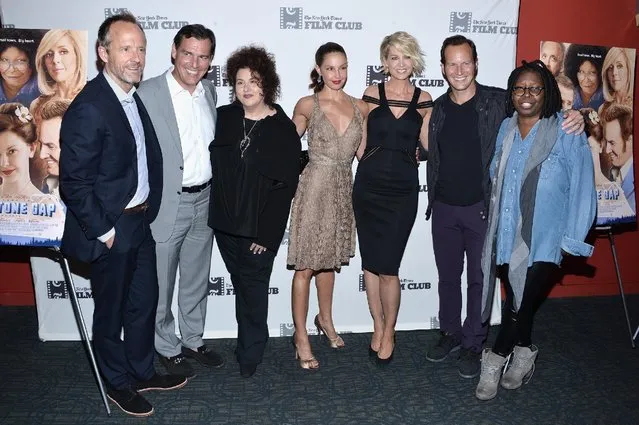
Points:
[(182, 108)]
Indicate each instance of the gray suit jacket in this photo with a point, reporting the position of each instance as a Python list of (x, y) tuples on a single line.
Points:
[(154, 93)]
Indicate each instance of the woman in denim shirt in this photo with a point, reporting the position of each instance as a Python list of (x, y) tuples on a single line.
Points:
[(542, 205)]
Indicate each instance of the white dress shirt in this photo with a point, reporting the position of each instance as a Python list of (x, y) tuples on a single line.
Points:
[(197, 129), (133, 115)]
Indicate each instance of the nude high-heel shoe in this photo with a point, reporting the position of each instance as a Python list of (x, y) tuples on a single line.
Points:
[(309, 364), (335, 343)]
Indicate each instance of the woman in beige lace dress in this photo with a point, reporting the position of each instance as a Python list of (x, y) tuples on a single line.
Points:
[(322, 230)]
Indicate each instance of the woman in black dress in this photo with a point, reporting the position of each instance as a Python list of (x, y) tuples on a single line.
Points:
[(386, 185), (255, 158)]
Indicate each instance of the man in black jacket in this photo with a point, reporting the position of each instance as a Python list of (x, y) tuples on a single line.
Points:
[(461, 143)]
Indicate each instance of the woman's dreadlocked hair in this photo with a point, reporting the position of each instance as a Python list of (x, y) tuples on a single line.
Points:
[(552, 96)]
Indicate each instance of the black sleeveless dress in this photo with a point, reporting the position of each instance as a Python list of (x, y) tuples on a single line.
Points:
[(385, 191)]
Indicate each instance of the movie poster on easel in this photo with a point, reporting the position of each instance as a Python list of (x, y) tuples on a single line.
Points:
[(41, 71), (599, 82)]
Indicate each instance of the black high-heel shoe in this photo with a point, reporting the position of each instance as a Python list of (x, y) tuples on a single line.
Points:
[(385, 362), (371, 353)]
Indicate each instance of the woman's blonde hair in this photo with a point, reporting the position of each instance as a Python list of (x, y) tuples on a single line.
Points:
[(46, 83), (611, 57), (407, 45)]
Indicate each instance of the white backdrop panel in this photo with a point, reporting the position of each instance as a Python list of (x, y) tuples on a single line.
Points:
[(292, 32)]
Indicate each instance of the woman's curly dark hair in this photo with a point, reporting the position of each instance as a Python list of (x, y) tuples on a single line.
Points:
[(578, 54), (552, 96), (262, 66)]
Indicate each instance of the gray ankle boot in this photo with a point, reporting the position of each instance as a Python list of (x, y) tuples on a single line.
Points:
[(491, 367), (522, 367)]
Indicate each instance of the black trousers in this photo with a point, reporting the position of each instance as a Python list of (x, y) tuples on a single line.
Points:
[(125, 294), (250, 275), (459, 230), (516, 326)]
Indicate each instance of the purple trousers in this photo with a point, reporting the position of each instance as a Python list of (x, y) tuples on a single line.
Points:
[(458, 231)]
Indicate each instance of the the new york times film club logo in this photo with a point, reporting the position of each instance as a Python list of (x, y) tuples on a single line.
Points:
[(404, 284), (375, 75), (57, 289), (464, 22), (218, 287), (148, 22), (293, 18), (217, 75), (287, 329)]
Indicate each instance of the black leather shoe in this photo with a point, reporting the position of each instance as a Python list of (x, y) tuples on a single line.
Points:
[(205, 356), (161, 383), (130, 402), (469, 363), (247, 370), (177, 365)]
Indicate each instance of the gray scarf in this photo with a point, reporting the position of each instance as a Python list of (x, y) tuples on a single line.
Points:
[(543, 143)]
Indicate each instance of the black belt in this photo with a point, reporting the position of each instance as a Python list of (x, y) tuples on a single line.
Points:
[(137, 209), (196, 189)]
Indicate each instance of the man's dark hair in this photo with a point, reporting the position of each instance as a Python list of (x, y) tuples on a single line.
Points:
[(198, 31), (104, 39), (622, 113), (457, 40), (552, 95)]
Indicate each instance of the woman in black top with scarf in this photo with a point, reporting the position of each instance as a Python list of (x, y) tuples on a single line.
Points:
[(255, 159)]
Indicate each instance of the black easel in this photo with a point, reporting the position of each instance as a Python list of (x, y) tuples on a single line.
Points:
[(81, 325), (622, 293)]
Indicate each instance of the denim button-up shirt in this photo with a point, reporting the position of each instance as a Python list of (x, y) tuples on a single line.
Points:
[(509, 209), (565, 203)]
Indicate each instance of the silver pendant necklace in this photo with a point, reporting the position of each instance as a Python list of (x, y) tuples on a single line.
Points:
[(246, 141)]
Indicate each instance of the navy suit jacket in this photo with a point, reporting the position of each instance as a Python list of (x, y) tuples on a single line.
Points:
[(98, 167)]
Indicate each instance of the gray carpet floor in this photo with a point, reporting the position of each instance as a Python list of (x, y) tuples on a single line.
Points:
[(586, 374)]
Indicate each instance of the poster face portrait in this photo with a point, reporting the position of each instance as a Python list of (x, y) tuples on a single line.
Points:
[(18, 75), (599, 81), (17, 147), (41, 71)]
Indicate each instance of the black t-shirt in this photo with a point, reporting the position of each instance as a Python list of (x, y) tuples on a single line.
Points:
[(460, 168)]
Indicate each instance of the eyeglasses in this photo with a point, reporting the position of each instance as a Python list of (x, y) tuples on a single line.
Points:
[(587, 74), (533, 91), (19, 65)]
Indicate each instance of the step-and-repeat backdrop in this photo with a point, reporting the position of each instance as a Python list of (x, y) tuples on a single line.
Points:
[(292, 31)]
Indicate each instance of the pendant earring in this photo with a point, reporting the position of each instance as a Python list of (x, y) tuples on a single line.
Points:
[(319, 79)]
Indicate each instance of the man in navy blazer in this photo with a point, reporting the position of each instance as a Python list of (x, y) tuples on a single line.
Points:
[(111, 183)]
